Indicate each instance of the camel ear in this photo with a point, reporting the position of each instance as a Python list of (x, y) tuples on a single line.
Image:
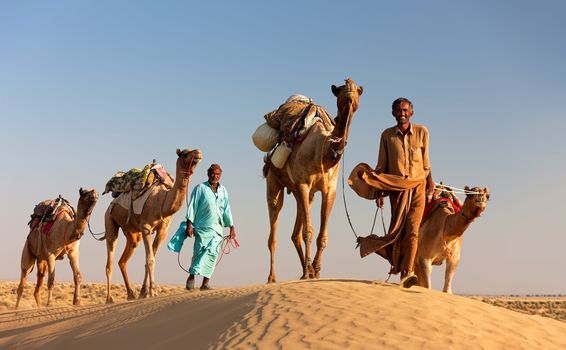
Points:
[(81, 191), (466, 188), (334, 90), (178, 152), (360, 90), (486, 190)]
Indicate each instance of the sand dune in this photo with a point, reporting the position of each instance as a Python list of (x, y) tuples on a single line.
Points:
[(320, 314)]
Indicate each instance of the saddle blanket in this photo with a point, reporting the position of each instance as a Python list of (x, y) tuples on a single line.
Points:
[(136, 205), (442, 201)]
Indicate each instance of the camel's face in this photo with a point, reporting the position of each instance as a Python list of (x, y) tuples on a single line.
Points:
[(478, 198), (189, 159), (348, 94), (89, 197)]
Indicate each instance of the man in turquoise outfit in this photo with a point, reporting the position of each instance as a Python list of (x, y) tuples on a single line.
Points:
[(208, 213)]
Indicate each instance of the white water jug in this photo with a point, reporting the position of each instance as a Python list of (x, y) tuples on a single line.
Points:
[(281, 154), (265, 137)]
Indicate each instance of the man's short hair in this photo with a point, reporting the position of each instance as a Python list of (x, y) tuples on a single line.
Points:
[(400, 100), (214, 167)]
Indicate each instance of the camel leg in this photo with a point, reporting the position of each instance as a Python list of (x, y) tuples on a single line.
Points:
[(423, 270), (419, 272), (322, 239), (50, 277), (74, 262), (41, 271), (149, 262), (303, 208), (132, 240), (297, 238), (160, 236), (111, 239), (26, 265), (451, 265), (275, 196)]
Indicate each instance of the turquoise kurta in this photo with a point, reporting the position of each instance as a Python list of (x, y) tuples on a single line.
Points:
[(210, 213)]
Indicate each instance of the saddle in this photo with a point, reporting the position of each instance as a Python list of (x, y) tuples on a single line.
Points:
[(294, 119), (444, 200), (47, 211), (138, 180)]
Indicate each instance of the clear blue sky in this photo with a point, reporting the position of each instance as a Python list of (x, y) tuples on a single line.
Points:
[(88, 88)]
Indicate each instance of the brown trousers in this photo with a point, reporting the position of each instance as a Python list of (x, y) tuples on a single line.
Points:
[(409, 239), (407, 197)]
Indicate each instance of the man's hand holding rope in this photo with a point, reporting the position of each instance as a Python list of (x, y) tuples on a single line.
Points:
[(189, 230)]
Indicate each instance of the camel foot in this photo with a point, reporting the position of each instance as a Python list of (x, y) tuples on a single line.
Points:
[(131, 295), (109, 300), (310, 271), (76, 302), (143, 293), (304, 277), (409, 281), (271, 279)]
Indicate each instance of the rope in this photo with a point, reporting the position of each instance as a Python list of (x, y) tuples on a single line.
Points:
[(179, 262), (344, 199), (95, 234), (225, 248), (348, 214), (455, 189)]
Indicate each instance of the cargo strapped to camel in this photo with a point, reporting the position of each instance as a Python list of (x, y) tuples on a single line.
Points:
[(289, 125), (138, 180), (47, 211)]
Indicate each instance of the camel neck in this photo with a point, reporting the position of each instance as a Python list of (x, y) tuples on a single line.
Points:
[(174, 197)]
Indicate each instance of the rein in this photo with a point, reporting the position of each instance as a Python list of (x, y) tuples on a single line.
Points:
[(226, 247), (348, 214), (456, 190), (95, 234)]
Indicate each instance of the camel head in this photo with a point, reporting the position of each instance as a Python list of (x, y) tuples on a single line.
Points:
[(347, 100), (476, 200), (87, 201), (188, 160), (347, 97)]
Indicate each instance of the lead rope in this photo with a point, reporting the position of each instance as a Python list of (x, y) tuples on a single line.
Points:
[(187, 219), (346, 207), (455, 190), (374, 217), (227, 245), (94, 235)]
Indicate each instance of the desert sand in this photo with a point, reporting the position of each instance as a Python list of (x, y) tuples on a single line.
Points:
[(317, 314)]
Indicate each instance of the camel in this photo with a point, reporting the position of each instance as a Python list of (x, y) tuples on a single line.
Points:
[(311, 167), (155, 217), (63, 239), (440, 237)]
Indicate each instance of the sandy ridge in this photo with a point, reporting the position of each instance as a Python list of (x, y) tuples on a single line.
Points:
[(316, 314)]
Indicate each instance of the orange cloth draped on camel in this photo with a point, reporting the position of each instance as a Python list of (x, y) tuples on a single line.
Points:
[(407, 206)]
